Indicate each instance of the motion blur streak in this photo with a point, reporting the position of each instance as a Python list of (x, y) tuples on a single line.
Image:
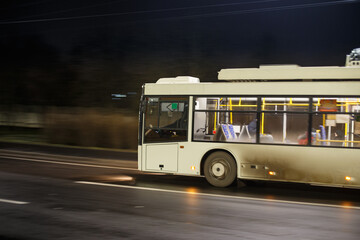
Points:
[(74, 164), (216, 195), (13, 201)]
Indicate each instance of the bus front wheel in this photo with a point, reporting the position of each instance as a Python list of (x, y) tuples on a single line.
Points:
[(220, 169)]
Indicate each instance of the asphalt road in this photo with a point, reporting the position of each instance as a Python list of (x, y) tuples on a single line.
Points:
[(45, 194)]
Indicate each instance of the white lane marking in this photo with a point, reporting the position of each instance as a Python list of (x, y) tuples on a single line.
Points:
[(217, 195), (67, 163), (13, 201)]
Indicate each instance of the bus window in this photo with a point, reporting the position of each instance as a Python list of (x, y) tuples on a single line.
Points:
[(341, 130), (166, 119), (336, 122), (284, 120), (173, 115), (152, 112), (230, 119), (284, 128), (220, 126)]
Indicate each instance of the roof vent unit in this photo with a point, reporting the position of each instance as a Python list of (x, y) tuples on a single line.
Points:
[(177, 80), (353, 59)]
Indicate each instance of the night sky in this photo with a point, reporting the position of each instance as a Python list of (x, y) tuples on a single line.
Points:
[(63, 51)]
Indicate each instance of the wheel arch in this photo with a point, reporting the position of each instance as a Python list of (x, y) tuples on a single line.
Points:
[(202, 162)]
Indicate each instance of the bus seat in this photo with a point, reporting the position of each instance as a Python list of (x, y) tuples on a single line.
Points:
[(232, 131), (237, 129), (244, 133), (219, 135), (224, 132)]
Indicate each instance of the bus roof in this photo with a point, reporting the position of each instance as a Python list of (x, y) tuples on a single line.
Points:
[(290, 72), (315, 88), (268, 80)]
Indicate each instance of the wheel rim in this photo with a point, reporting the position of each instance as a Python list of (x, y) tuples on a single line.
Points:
[(219, 169)]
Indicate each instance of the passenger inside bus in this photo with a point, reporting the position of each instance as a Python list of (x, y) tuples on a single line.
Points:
[(252, 127), (303, 138)]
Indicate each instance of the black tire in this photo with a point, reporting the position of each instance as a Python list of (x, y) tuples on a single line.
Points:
[(220, 169)]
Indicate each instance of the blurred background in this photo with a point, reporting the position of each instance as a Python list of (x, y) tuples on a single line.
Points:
[(61, 61)]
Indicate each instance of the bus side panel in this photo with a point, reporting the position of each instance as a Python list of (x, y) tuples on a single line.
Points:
[(315, 165)]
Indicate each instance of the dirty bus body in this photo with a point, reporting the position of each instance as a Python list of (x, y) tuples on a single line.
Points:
[(282, 129)]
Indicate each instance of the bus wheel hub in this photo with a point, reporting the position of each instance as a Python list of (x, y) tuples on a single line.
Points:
[(218, 169)]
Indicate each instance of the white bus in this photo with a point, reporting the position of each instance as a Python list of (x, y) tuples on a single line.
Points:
[(277, 123)]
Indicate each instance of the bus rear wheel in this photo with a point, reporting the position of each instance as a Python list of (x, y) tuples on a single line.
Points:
[(220, 169)]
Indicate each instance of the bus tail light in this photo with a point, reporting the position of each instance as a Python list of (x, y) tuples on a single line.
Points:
[(347, 178)]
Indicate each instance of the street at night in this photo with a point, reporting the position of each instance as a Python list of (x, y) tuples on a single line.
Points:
[(201, 119), (57, 196)]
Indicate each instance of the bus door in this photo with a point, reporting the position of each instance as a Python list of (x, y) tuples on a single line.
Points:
[(165, 126)]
